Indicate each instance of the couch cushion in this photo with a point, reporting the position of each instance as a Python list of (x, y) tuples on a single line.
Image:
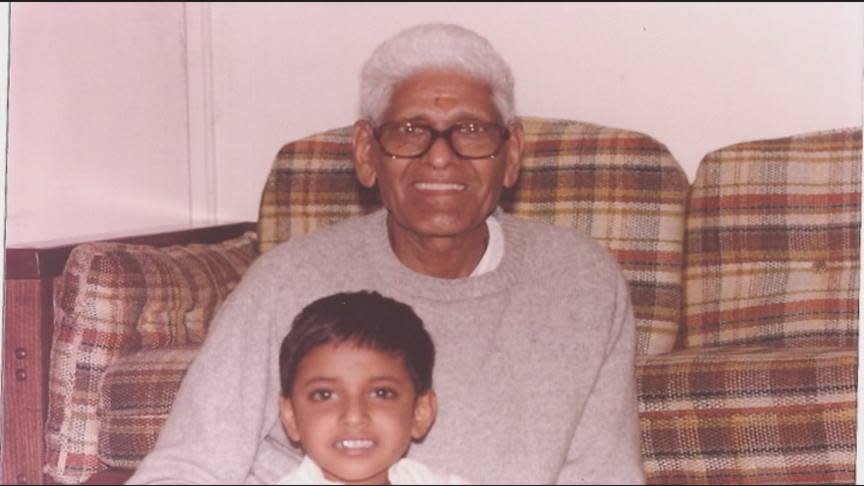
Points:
[(137, 393), (113, 299), (773, 240), (622, 188), (749, 415)]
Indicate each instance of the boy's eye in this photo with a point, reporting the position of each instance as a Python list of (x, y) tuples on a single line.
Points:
[(320, 395), (386, 393)]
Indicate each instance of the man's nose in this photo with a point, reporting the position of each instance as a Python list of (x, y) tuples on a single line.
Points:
[(440, 154)]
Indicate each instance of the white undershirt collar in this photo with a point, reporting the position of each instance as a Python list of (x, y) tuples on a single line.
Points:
[(494, 250)]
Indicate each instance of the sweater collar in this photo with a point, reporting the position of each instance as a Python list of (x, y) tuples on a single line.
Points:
[(415, 284)]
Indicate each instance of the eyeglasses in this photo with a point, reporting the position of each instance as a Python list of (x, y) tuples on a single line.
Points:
[(473, 140)]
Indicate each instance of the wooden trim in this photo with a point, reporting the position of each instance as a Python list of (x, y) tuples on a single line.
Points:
[(30, 274), (47, 259), (27, 346)]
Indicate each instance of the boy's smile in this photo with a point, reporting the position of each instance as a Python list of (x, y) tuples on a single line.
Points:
[(355, 411)]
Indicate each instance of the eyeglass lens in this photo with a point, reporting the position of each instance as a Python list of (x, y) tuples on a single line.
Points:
[(469, 140)]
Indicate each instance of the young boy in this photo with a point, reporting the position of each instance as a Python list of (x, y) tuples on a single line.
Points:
[(356, 377)]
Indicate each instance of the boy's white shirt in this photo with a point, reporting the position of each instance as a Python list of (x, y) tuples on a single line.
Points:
[(405, 471)]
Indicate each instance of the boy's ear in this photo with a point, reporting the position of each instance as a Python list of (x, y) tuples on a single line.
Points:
[(286, 413), (425, 411)]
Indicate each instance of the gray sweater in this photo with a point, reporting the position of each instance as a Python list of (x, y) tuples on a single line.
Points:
[(534, 367)]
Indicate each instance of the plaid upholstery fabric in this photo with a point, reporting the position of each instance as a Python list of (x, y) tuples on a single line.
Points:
[(622, 188), (185, 285), (311, 185), (137, 393), (765, 391), (749, 415), (113, 299), (773, 242)]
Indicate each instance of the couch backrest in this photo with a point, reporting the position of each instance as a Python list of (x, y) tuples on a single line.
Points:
[(624, 189), (773, 242)]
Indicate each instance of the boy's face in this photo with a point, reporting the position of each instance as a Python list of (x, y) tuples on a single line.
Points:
[(355, 411)]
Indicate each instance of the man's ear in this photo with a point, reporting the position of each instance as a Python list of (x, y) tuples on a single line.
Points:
[(425, 411), (286, 413), (363, 147), (515, 144)]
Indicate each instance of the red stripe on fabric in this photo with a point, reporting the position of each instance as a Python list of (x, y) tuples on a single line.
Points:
[(824, 143), (593, 144), (772, 310), (701, 413), (659, 257), (311, 148), (738, 201)]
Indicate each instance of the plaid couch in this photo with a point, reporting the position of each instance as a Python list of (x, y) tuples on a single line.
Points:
[(744, 287)]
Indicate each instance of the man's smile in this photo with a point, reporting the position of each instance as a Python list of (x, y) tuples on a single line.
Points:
[(439, 186)]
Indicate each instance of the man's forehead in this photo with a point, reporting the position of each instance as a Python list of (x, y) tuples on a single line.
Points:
[(442, 93)]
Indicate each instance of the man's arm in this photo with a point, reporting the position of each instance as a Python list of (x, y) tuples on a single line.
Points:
[(605, 447), (227, 401)]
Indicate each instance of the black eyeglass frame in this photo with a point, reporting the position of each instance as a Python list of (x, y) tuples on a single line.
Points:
[(446, 134)]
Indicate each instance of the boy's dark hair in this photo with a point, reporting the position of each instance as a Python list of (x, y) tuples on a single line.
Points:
[(366, 319)]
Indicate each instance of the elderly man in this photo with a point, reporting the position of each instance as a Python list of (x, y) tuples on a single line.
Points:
[(532, 323)]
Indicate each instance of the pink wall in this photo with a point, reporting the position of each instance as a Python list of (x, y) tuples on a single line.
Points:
[(127, 116), (97, 119)]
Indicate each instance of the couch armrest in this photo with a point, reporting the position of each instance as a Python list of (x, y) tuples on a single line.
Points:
[(31, 271)]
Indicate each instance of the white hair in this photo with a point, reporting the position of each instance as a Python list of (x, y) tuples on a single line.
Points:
[(429, 47)]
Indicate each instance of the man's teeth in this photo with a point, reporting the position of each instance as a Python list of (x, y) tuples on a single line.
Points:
[(354, 444), (439, 186)]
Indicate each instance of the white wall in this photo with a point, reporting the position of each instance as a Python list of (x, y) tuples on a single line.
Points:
[(130, 116), (97, 119)]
